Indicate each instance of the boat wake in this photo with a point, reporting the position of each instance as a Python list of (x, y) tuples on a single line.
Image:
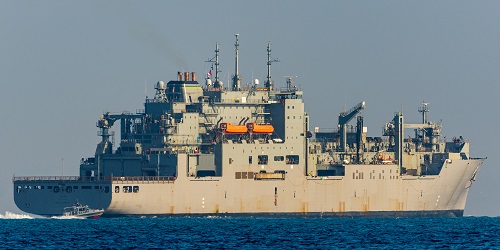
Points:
[(64, 217), (10, 215)]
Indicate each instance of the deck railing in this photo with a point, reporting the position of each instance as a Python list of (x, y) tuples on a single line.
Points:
[(93, 179)]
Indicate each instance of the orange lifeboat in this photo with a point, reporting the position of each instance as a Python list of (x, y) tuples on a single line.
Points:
[(260, 128), (228, 128)]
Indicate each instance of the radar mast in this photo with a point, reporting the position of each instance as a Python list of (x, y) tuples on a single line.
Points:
[(424, 110), (217, 81), (237, 77), (269, 83)]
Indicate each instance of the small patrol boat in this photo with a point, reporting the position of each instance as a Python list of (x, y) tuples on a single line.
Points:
[(83, 211)]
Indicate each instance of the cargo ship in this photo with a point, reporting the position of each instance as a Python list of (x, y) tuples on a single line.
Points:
[(210, 149)]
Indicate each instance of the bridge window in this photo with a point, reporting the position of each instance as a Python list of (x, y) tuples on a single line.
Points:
[(279, 158), (205, 173), (263, 159), (292, 159)]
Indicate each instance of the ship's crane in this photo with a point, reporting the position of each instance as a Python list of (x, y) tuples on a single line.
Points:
[(344, 119), (107, 120)]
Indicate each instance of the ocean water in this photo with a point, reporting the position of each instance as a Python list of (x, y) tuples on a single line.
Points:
[(25, 232)]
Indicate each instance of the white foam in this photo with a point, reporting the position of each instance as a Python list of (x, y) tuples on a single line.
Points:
[(10, 215), (66, 217), (213, 217)]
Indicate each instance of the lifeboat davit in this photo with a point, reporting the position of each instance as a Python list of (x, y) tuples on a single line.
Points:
[(228, 128), (256, 128)]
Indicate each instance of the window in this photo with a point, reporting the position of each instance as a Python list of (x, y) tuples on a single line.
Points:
[(263, 159), (127, 189), (279, 158), (250, 159), (292, 159), (136, 189), (86, 187), (117, 189)]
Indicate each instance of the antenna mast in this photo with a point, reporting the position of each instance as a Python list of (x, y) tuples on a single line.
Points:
[(216, 62), (269, 83), (237, 77), (424, 110), (217, 82)]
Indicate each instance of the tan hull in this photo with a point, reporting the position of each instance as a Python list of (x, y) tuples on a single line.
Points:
[(357, 191)]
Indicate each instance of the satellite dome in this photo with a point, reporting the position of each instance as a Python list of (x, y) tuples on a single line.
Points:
[(160, 85)]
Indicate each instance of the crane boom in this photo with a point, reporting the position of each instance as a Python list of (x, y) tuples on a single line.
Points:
[(344, 119)]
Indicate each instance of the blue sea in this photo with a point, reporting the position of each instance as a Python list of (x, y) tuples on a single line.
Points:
[(24, 232)]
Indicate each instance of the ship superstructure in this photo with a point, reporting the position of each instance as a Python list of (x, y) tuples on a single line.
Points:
[(246, 149)]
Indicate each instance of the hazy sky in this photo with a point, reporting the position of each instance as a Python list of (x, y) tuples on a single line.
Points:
[(63, 63)]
